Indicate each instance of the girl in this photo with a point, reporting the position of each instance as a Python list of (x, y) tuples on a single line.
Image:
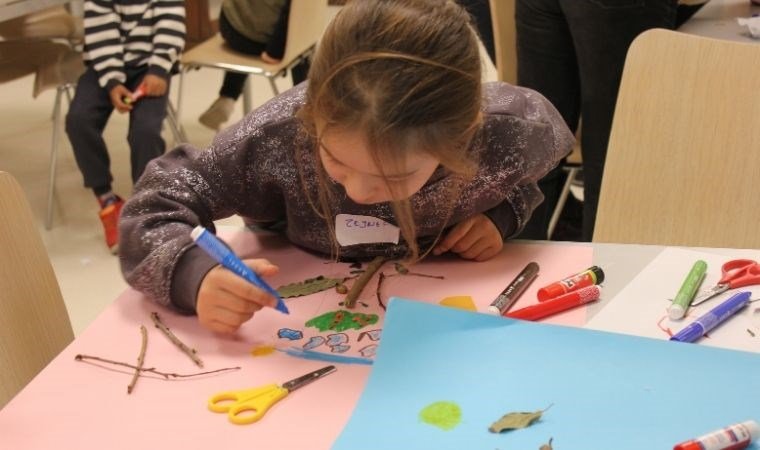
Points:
[(394, 128)]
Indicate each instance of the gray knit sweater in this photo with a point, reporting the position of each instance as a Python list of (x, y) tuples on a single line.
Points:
[(252, 170)]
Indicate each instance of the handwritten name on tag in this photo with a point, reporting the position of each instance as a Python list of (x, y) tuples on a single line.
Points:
[(352, 229)]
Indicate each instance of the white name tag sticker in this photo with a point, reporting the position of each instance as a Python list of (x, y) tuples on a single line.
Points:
[(351, 229)]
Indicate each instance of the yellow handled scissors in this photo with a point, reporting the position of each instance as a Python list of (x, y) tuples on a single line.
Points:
[(249, 405)]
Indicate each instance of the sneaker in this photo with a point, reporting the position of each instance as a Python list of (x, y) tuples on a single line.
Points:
[(109, 216), (218, 113)]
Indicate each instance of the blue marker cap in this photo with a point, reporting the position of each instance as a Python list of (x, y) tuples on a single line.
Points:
[(227, 258)]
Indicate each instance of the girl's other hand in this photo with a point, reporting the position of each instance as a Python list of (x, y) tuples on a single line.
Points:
[(117, 95), (154, 85), (226, 301), (476, 238)]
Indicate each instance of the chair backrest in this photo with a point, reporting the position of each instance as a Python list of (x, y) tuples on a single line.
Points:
[(34, 324), (505, 40), (683, 157), (306, 24)]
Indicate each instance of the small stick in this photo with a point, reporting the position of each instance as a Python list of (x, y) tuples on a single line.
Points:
[(85, 358), (361, 282), (191, 352), (377, 293), (140, 359)]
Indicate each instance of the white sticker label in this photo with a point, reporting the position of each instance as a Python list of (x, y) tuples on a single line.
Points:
[(351, 230)]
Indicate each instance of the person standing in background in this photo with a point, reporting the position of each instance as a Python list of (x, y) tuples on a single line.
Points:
[(253, 27), (573, 52), (129, 46)]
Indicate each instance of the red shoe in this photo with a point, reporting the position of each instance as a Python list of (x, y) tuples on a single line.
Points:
[(109, 216)]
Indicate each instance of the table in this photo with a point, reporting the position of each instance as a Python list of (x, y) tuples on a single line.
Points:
[(717, 19), (10, 9), (79, 405)]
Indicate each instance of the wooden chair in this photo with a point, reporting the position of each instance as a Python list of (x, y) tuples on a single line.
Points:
[(682, 163), (306, 23), (504, 37), (34, 324)]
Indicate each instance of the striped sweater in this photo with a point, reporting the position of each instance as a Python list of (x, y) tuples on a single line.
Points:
[(123, 34)]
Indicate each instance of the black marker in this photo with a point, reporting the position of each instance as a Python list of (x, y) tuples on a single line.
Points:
[(509, 296)]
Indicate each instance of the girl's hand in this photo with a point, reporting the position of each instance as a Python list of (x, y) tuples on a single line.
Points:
[(226, 301), (268, 59), (117, 95), (154, 85), (476, 238)]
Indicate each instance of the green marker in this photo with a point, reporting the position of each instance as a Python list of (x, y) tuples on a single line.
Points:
[(689, 287)]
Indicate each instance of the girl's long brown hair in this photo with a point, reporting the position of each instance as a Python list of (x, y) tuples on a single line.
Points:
[(406, 74)]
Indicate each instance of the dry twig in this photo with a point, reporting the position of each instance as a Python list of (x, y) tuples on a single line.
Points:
[(191, 352), (140, 358), (166, 375), (361, 282)]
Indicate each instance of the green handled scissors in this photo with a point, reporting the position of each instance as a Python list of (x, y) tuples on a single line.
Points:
[(249, 405)]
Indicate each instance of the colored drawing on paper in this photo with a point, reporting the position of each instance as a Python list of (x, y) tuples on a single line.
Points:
[(342, 348), (372, 335), (342, 320), (288, 333), (314, 342), (369, 351), (337, 339), (459, 301), (264, 350), (308, 286), (324, 357), (444, 415)]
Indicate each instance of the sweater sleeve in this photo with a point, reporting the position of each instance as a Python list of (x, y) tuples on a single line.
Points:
[(102, 42), (532, 139), (168, 36)]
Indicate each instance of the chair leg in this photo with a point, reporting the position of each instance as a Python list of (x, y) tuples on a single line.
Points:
[(247, 98), (54, 154), (180, 88), (177, 130), (571, 172), (274, 86)]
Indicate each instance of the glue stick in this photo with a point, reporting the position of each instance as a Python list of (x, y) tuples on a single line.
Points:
[(732, 437), (589, 277)]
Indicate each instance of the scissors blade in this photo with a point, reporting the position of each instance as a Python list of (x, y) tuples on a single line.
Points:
[(707, 295), (303, 380)]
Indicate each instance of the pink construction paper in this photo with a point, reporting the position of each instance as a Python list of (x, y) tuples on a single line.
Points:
[(79, 405)]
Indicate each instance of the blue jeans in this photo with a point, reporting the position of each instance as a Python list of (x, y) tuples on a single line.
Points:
[(573, 52)]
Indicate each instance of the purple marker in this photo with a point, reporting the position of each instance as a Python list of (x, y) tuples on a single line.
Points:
[(224, 256), (713, 318)]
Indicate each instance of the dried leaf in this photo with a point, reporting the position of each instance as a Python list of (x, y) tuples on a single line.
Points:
[(308, 286), (548, 445), (515, 420), (400, 268), (341, 288)]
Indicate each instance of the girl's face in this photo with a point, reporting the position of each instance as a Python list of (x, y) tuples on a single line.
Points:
[(348, 161)]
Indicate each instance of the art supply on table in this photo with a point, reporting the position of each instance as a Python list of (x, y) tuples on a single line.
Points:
[(136, 95), (514, 290), (688, 289), (589, 277), (736, 273), (733, 437), (562, 303), (713, 318), (249, 405), (227, 258)]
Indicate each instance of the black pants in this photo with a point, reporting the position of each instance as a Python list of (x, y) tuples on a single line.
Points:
[(573, 52), (234, 82), (88, 115)]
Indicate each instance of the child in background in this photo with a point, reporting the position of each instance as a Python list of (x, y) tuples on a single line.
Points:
[(127, 44), (394, 123), (254, 27)]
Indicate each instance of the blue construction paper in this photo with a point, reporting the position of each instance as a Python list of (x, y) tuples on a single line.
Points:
[(608, 391)]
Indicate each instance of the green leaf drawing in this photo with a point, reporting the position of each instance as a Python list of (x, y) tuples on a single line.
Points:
[(308, 286), (444, 415), (515, 420), (342, 320)]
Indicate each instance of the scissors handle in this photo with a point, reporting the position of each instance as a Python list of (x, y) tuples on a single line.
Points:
[(248, 405), (739, 273)]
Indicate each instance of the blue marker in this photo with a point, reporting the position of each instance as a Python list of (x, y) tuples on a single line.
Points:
[(713, 318), (224, 256)]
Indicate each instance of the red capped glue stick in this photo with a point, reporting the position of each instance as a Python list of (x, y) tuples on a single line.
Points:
[(589, 277), (733, 437), (136, 95), (557, 305)]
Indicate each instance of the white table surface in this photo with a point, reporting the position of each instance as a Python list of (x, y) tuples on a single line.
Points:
[(717, 19)]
